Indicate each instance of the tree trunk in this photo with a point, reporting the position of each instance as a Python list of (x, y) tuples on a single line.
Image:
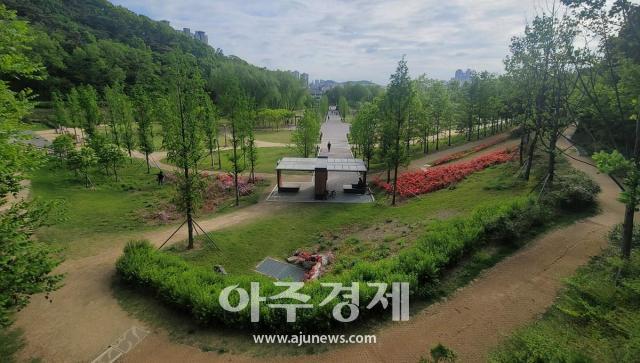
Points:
[(632, 198), (146, 156), (396, 162), (521, 149), (437, 134), (211, 156), (235, 162), (219, 158), (532, 147), (551, 169), (115, 171), (425, 143)]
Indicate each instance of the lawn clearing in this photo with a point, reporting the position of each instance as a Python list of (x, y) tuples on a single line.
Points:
[(94, 218), (360, 236), (282, 136), (267, 159)]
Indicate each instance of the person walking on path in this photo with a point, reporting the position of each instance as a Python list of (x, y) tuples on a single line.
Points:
[(160, 177), (329, 146)]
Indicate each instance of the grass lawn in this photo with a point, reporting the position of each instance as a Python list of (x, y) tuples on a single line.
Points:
[(266, 163), (94, 218), (33, 126), (354, 231), (110, 208), (282, 136)]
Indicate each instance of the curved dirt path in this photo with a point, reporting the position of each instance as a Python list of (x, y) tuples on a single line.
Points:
[(84, 317), (474, 319)]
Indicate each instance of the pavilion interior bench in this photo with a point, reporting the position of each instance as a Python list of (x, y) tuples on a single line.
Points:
[(289, 188), (354, 189)]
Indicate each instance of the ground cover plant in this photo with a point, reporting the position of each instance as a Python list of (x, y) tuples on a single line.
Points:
[(419, 182)]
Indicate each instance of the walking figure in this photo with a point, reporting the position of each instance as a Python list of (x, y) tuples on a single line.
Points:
[(160, 177), (329, 146)]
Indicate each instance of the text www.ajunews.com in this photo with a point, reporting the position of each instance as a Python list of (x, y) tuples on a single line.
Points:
[(301, 339)]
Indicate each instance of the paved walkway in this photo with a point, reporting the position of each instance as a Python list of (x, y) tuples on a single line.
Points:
[(333, 131)]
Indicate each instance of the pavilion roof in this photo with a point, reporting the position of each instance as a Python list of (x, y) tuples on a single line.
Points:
[(331, 164)]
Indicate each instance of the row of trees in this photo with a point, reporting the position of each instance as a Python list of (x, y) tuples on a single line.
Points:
[(551, 83), (579, 64), (433, 110), (129, 118), (355, 93)]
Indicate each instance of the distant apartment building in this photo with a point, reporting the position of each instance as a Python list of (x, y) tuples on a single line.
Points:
[(319, 86), (201, 36), (304, 77), (198, 35), (296, 74), (463, 76)]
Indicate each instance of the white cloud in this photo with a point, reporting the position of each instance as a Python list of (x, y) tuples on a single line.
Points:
[(353, 39)]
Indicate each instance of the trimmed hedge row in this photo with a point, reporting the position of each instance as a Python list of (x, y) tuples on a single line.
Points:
[(195, 289)]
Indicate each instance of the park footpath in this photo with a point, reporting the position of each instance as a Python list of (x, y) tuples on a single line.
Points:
[(83, 319), (335, 132)]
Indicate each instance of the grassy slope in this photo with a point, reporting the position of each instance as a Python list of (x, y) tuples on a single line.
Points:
[(266, 163), (302, 225), (94, 218)]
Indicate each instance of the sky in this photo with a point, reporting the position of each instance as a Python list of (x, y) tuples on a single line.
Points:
[(354, 39)]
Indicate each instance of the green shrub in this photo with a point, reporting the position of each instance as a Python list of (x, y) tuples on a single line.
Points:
[(575, 191), (615, 236), (195, 289)]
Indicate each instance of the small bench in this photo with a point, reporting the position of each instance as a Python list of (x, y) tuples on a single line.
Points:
[(289, 188), (353, 189)]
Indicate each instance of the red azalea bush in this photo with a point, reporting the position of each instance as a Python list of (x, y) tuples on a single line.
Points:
[(245, 187), (462, 154), (425, 181)]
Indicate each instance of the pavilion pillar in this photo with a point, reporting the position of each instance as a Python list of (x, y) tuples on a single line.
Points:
[(279, 174), (320, 183)]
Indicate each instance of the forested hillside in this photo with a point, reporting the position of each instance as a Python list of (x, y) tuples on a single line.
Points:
[(96, 43)]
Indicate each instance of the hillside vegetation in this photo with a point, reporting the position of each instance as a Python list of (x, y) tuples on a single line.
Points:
[(97, 43)]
